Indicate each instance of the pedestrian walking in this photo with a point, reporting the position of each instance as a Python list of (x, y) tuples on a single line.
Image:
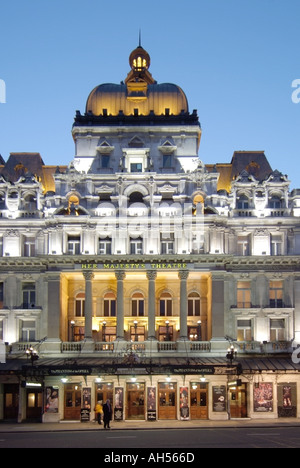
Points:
[(99, 411), (107, 414)]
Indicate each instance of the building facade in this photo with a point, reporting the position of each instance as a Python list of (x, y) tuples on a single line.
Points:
[(139, 274)]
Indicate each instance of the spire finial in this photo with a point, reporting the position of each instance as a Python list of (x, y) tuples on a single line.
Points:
[(140, 38)]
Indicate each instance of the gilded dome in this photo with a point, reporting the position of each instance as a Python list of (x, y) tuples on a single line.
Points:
[(140, 94)]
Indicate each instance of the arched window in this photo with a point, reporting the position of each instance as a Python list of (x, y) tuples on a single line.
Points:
[(165, 305), (194, 305), (243, 203), (110, 305), (80, 305), (138, 305), (275, 202)]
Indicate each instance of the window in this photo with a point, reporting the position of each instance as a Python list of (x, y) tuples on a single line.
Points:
[(277, 330), (275, 202), (194, 305), (167, 161), (276, 294), (1, 329), (244, 294), (80, 305), (244, 330), (165, 305), (276, 245), (105, 246), (110, 305), (136, 167), (27, 332), (109, 334), (243, 203), (29, 247), (105, 159), (73, 245), (137, 333), (28, 291), (243, 246), (165, 333), (138, 305), (167, 244), (136, 246)]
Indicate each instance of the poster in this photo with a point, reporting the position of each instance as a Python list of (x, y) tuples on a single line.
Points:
[(184, 403), (51, 403), (86, 398), (287, 397), (151, 403), (119, 404), (263, 397), (219, 399)]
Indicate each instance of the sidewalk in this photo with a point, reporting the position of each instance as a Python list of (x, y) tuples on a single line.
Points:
[(147, 425)]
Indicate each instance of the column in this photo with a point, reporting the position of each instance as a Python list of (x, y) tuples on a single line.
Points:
[(218, 307), (88, 330), (54, 308), (120, 276), (151, 275), (183, 275)]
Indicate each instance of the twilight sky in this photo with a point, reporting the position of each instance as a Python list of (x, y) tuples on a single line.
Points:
[(236, 61)]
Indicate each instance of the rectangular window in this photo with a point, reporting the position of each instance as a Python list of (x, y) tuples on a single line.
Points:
[(167, 161), (276, 245), (73, 245), (136, 246), (138, 308), (137, 333), (28, 291), (105, 161), (277, 330), (28, 332), (276, 294), (167, 244), (109, 307), (243, 246), (136, 167), (29, 247), (1, 295), (244, 294), (1, 329), (244, 330), (105, 247)]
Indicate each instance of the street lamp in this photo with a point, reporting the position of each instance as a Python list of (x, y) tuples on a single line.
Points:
[(231, 353), (32, 354), (168, 330), (199, 330), (135, 330), (72, 330), (103, 331)]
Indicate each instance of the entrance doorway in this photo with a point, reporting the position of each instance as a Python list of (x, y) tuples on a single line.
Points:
[(104, 392), (72, 402), (34, 404), (11, 401), (167, 408), (199, 401), (238, 401), (135, 408)]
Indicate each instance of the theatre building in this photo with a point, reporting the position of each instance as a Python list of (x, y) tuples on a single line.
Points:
[(140, 274)]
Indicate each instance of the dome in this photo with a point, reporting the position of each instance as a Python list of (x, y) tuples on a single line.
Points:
[(113, 98), (140, 94)]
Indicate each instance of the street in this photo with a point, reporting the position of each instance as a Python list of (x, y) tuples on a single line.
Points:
[(170, 440)]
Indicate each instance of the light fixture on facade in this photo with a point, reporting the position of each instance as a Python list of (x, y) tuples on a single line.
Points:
[(202, 379), (64, 379)]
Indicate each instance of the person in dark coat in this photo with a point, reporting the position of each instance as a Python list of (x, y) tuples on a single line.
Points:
[(107, 414)]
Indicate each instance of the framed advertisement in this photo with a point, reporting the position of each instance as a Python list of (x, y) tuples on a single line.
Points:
[(151, 403), (184, 403), (220, 399), (119, 404), (263, 397)]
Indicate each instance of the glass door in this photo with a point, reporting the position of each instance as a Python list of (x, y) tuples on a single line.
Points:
[(167, 408), (135, 408), (72, 401), (199, 401)]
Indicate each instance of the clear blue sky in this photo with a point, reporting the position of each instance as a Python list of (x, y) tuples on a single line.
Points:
[(235, 60)]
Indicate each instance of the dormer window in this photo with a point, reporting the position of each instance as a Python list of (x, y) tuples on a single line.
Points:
[(243, 203)]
